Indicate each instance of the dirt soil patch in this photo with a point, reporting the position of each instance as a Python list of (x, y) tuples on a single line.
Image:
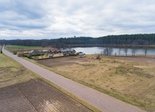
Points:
[(62, 61), (37, 96)]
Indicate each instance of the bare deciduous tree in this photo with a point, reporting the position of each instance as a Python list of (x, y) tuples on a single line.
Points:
[(119, 52), (145, 51), (126, 51), (105, 51), (133, 52), (108, 51)]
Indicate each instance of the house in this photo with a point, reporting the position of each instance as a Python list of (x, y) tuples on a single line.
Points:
[(36, 53), (48, 53), (54, 51), (68, 52)]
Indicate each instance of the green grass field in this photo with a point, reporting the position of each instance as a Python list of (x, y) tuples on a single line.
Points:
[(15, 48)]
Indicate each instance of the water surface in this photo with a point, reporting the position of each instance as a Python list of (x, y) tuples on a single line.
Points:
[(115, 51)]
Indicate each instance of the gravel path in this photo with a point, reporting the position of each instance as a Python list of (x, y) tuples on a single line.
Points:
[(101, 101)]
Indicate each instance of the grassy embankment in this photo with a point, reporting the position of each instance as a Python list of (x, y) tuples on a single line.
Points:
[(13, 73), (15, 48), (132, 82)]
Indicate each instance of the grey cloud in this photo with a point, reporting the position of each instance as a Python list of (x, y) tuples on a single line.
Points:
[(58, 18)]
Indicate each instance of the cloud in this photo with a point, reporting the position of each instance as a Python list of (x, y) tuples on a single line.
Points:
[(60, 18)]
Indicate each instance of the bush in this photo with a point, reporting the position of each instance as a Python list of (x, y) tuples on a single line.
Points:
[(98, 57), (14, 52)]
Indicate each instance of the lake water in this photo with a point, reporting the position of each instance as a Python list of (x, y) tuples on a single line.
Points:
[(115, 51)]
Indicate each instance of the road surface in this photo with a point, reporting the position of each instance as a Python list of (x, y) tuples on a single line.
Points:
[(100, 100)]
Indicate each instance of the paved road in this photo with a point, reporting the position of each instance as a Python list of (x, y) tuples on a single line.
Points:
[(101, 101)]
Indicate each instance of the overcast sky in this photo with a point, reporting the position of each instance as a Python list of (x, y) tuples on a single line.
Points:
[(35, 19)]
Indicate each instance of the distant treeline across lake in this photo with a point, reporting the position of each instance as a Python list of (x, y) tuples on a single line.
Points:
[(136, 40)]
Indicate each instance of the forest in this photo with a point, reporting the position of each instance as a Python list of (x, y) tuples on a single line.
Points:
[(134, 40)]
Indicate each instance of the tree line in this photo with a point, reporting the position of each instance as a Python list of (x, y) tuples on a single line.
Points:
[(108, 51), (111, 40)]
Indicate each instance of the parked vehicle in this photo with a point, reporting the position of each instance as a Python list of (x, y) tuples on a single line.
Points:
[(81, 54)]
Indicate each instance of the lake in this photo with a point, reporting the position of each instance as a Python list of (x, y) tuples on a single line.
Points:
[(115, 51)]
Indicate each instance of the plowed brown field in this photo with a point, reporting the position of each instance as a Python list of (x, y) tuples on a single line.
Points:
[(37, 96)]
